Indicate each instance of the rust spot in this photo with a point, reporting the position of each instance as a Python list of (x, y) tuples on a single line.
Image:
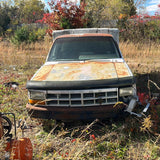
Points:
[(86, 35), (43, 73), (122, 70)]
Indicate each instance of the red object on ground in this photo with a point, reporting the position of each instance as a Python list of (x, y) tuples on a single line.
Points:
[(20, 149)]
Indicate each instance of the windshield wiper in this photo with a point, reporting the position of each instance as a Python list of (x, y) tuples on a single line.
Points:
[(99, 60)]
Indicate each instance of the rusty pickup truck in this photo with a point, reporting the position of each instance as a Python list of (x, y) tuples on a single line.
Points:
[(83, 78)]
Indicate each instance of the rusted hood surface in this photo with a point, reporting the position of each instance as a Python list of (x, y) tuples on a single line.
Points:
[(82, 71)]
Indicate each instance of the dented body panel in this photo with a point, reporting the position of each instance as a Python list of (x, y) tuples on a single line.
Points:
[(83, 77)]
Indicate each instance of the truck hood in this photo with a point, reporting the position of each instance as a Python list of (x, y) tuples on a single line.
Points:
[(82, 71)]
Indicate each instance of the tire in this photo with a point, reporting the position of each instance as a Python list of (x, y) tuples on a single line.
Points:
[(7, 125)]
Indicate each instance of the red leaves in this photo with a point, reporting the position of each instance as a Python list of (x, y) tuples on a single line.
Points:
[(92, 137), (65, 14), (145, 17), (73, 140), (143, 98)]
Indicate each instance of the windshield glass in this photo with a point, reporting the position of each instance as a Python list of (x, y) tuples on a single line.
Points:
[(83, 48)]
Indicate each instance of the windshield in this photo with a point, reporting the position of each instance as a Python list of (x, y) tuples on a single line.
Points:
[(83, 48)]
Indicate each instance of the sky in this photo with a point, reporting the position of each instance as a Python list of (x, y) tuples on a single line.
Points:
[(152, 6)]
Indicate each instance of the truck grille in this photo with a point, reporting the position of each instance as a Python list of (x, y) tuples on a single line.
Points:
[(76, 98)]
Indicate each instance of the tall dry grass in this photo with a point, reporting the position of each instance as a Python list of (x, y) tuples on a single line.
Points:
[(26, 54), (141, 57)]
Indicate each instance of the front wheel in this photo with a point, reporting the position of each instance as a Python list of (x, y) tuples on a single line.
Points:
[(7, 125)]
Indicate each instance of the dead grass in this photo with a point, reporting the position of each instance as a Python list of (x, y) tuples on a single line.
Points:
[(142, 58), (94, 140), (25, 55)]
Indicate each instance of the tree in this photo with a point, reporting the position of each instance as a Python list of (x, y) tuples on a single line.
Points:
[(65, 15), (4, 20), (29, 11), (12, 12), (98, 12), (130, 9)]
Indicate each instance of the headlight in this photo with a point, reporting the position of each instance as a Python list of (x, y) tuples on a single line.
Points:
[(37, 95), (126, 91)]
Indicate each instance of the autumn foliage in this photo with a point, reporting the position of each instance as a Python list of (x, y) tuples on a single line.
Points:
[(143, 27), (65, 15)]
